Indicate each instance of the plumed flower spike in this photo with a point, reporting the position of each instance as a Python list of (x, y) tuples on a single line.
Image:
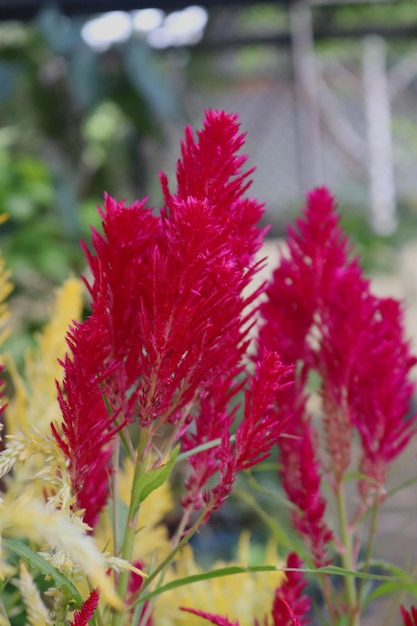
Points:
[(211, 171), (264, 418), (169, 306), (301, 478), (320, 312), (304, 281), (85, 614), (291, 606), (219, 620), (409, 617)]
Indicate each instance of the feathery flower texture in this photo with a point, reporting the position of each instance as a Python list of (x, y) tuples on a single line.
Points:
[(320, 312), (409, 617), (321, 315), (165, 351), (169, 325)]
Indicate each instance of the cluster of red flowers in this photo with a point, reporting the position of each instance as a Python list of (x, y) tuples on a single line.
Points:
[(168, 335), (320, 314), (168, 332)]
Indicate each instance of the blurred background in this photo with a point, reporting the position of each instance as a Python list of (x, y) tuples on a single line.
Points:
[(94, 99), (94, 96)]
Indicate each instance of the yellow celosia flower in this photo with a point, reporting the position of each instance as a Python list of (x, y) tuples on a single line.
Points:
[(29, 440), (35, 399), (6, 288), (242, 597), (36, 612), (27, 517)]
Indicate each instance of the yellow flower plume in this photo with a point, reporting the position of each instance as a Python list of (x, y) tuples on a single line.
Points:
[(35, 402), (27, 517)]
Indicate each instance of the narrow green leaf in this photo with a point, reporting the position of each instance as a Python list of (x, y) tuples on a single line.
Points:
[(149, 481), (386, 566), (278, 531), (218, 573), (401, 486), (335, 570), (235, 569), (35, 560), (391, 587)]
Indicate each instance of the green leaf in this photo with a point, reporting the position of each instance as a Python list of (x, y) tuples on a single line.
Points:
[(392, 587), (235, 569), (401, 486), (149, 481), (35, 560), (335, 570), (218, 573), (401, 580), (278, 531)]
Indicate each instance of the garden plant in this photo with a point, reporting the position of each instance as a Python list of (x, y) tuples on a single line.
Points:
[(184, 368)]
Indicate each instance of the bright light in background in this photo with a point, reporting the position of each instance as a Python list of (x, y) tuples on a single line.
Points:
[(146, 20), (99, 33), (180, 28)]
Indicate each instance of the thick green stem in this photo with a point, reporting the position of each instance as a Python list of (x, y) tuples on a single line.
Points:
[(347, 556)]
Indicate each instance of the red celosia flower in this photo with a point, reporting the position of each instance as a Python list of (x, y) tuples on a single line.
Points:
[(409, 617), (172, 286), (301, 479), (380, 391), (214, 619), (135, 583), (88, 427), (304, 282), (213, 421), (290, 606), (168, 306), (263, 420), (85, 614), (320, 312)]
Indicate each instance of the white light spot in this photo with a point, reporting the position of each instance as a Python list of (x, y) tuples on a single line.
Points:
[(101, 32), (180, 28), (161, 38), (146, 20)]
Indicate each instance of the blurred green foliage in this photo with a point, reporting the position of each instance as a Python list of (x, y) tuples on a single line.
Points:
[(74, 123)]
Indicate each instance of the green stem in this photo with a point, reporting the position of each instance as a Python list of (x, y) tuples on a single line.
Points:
[(4, 619), (347, 556), (201, 448), (130, 530), (115, 492), (369, 544), (330, 599), (174, 551), (174, 542)]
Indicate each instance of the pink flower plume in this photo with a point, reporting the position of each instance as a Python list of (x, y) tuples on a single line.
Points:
[(85, 614), (169, 309), (409, 617), (321, 313)]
